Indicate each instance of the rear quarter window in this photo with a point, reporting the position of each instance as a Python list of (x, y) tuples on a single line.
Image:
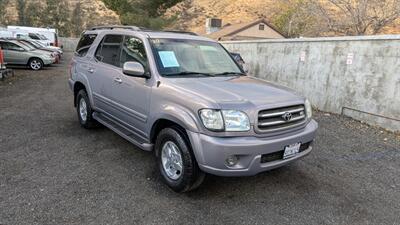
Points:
[(84, 44)]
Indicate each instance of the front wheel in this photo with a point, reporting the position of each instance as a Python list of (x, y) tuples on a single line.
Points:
[(176, 162), (35, 64)]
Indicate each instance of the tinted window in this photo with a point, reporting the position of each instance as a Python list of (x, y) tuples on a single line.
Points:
[(84, 44), (34, 36), (12, 46), (133, 50), (109, 50)]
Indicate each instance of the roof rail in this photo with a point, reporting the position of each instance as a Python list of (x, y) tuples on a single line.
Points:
[(181, 32), (134, 28)]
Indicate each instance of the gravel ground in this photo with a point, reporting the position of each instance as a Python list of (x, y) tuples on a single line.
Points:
[(54, 172)]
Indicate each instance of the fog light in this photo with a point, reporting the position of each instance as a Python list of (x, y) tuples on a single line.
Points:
[(231, 160)]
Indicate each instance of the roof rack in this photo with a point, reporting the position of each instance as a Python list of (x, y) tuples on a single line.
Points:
[(180, 32), (134, 28)]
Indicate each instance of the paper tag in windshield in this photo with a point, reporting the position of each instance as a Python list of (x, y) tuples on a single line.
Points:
[(208, 48), (168, 59)]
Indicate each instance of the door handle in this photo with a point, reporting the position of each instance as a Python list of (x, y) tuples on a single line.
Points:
[(91, 70), (118, 80)]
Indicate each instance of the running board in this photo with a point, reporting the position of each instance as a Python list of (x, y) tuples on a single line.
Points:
[(123, 132)]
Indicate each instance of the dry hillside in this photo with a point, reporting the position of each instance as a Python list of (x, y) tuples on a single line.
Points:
[(94, 12), (192, 14)]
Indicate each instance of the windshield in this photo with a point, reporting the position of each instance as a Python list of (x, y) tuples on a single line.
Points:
[(178, 57), (38, 43), (26, 46), (42, 37)]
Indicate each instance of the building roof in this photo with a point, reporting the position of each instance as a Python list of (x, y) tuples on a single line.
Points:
[(230, 30)]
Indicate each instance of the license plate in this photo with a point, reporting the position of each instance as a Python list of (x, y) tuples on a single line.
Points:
[(291, 150)]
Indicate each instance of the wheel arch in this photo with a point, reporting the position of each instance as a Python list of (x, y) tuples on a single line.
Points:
[(77, 87), (163, 123)]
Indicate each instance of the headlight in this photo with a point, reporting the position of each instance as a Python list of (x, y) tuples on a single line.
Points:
[(307, 104), (228, 120), (235, 120), (212, 119)]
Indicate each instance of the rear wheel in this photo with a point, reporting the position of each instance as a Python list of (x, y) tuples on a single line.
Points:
[(85, 111), (176, 161), (35, 64)]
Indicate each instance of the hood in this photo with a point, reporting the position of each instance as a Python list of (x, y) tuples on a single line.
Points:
[(42, 52), (236, 89)]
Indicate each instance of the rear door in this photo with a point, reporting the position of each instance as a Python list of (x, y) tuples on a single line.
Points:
[(105, 73), (81, 61)]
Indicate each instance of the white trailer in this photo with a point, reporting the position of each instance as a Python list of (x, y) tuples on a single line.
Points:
[(50, 33)]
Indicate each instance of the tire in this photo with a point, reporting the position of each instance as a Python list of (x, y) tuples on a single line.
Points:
[(84, 111), (35, 64), (190, 176)]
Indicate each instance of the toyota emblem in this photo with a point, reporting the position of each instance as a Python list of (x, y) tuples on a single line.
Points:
[(287, 116)]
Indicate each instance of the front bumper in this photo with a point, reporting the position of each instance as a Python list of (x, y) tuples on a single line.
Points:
[(48, 61), (211, 152)]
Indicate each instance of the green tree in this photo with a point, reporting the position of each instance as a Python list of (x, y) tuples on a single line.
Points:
[(144, 13), (293, 17), (58, 16), (76, 20), (34, 16), (3, 11), (21, 6)]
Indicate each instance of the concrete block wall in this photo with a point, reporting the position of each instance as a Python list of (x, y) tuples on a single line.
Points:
[(355, 76)]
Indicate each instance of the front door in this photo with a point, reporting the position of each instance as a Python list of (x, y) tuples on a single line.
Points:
[(14, 54), (134, 92)]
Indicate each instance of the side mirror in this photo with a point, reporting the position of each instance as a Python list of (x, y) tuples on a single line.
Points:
[(134, 69)]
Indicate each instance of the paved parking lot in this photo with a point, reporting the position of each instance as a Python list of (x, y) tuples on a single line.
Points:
[(54, 172)]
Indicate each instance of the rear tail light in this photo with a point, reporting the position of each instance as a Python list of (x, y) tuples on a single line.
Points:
[(1, 58)]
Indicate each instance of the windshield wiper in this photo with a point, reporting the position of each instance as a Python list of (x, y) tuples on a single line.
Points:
[(229, 73), (189, 73)]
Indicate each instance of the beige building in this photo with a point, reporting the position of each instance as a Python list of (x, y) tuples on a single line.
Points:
[(259, 29)]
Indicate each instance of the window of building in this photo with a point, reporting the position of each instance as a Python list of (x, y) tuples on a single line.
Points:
[(261, 27)]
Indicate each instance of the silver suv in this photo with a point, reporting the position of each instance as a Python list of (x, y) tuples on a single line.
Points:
[(185, 98)]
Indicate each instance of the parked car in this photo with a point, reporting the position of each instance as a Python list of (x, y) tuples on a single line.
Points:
[(16, 53), (34, 45), (185, 98), (42, 46)]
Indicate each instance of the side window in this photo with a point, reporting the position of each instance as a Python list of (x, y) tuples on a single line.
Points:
[(109, 50), (133, 50), (33, 36), (84, 44), (14, 47)]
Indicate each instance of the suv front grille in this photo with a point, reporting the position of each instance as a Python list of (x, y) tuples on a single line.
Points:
[(281, 118)]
